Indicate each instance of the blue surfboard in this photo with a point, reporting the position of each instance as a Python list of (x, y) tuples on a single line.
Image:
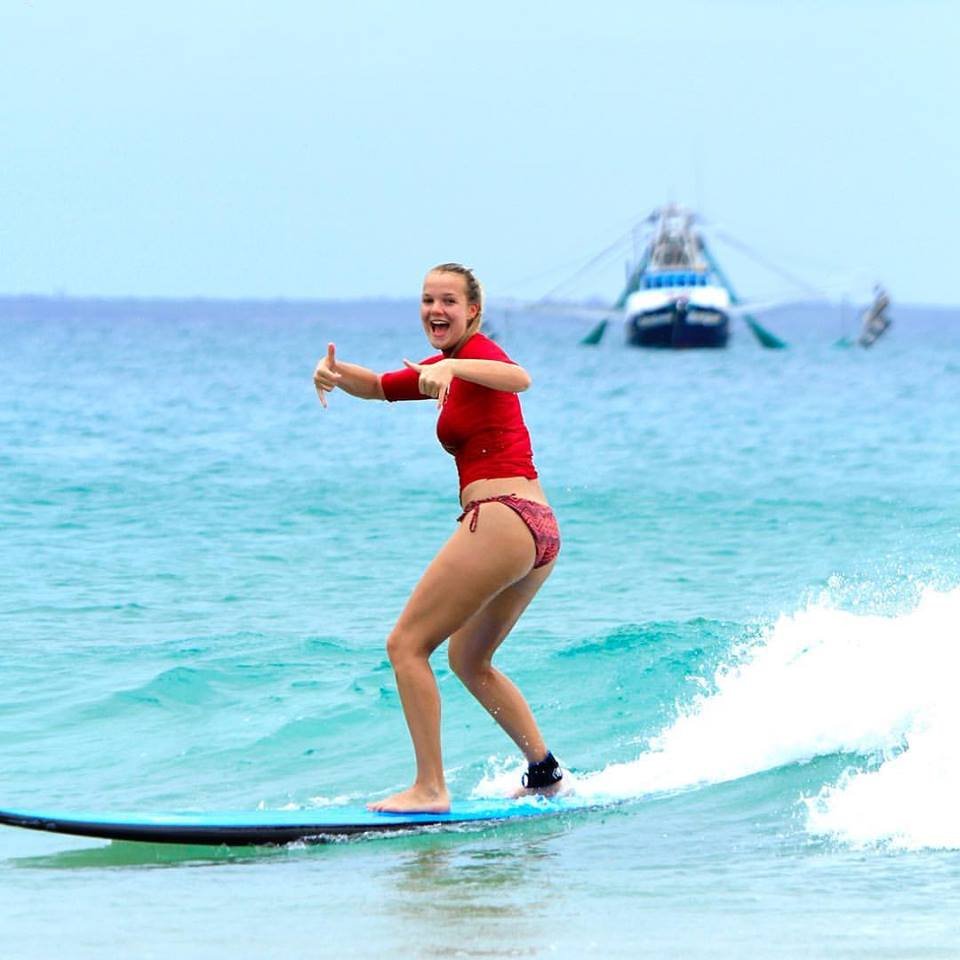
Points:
[(283, 826)]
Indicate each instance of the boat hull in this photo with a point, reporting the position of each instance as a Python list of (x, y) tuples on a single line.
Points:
[(676, 327)]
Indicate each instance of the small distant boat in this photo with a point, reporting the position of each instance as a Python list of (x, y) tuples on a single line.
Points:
[(675, 298), (874, 320)]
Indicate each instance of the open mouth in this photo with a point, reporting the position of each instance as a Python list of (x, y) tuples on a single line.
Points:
[(439, 326)]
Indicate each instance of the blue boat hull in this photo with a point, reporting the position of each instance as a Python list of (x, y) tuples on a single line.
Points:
[(679, 328)]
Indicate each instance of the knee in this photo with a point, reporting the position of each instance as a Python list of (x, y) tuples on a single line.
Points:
[(473, 672), (403, 648)]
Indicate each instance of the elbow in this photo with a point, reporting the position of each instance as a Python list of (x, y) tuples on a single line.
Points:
[(524, 381)]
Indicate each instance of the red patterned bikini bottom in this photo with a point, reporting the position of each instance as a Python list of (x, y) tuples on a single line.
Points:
[(538, 517)]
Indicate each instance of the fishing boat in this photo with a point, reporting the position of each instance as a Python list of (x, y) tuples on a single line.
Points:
[(675, 297)]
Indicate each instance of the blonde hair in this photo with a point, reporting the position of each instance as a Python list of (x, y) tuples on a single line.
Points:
[(472, 285)]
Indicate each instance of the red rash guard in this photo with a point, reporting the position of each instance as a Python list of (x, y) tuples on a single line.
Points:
[(481, 427)]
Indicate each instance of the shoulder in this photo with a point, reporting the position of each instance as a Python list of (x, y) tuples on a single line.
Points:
[(479, 347)]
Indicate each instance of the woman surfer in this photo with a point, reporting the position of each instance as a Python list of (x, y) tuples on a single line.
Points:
[(503, 549)]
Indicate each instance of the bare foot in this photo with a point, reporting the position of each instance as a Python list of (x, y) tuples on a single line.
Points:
[(553, 790), (415, 800)]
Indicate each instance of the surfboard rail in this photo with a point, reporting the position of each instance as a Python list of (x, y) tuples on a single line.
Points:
[(279, 827)]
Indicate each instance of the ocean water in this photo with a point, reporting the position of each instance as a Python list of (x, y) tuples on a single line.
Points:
[(749, 647)]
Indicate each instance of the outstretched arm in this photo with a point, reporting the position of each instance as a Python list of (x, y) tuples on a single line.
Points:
[(356, 380), (435, 378)]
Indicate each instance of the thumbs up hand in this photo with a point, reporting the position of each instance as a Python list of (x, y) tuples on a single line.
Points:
[(435, 378), (326, 375)]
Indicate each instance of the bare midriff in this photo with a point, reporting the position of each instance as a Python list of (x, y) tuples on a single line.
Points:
[(523, 487)]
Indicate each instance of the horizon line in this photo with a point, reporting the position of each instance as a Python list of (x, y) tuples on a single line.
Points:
[(170, 299)]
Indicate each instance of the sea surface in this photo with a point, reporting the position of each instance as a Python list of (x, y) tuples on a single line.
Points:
[(748, 653)]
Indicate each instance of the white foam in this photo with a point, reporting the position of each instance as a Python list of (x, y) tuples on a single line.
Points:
[(502, 777), (910, 800), (321, 801), (821, 682)]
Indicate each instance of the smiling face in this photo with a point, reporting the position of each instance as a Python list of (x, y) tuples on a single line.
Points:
[(447, 316)]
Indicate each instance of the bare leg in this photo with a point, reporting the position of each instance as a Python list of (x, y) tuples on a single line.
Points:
[(471, 653), (470, 570)]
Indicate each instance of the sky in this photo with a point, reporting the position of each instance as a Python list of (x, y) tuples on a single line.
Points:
[(308, 149)]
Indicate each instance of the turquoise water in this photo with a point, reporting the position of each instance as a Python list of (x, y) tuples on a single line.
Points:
[(748, 646)]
